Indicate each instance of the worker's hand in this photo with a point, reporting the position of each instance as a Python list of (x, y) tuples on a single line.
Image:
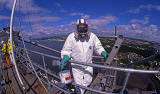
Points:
[(64, 62), (104, 54)]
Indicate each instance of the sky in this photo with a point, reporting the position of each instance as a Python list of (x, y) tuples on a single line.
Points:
[(45, 18)]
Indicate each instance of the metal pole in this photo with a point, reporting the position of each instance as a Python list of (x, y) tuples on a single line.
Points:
[(125, 82), (47, 48), (102, 66), (95, 65), (46, 72), (115, 31), (144, 60)]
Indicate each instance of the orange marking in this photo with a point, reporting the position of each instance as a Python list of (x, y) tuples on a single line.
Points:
[(68, 78), (8, 60)]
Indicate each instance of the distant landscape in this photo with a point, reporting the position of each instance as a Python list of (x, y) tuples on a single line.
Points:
[(131, 50)]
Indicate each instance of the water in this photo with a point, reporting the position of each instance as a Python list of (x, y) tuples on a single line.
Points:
[(50, 63)]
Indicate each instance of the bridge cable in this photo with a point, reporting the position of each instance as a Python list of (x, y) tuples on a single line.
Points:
[(29, 57)]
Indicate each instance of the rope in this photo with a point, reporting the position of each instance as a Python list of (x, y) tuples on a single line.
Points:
[(19, 17), (29, 22), (33, 66)]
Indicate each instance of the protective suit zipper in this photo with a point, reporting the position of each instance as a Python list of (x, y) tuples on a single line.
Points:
[(82, 47)]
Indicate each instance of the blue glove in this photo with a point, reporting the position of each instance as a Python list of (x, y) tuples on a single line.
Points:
[(63, 62), (104, 54)]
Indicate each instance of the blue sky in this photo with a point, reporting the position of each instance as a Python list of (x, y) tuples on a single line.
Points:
[(41, 18)]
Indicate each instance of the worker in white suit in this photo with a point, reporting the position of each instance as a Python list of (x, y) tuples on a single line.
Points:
[(79, 46)]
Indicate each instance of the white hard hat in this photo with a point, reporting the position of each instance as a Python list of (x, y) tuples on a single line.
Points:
[(2, 42), (81, 21)]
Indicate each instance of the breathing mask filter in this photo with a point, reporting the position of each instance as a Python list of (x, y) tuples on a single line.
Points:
[(82, 28)]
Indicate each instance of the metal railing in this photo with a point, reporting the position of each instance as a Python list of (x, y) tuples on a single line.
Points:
[(47, 73), (127, 70)]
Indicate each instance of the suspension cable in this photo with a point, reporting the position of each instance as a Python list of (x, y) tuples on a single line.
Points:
[(11, 42), (27, 52), (33, 66)]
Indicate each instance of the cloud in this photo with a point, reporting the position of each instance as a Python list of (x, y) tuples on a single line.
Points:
[(138, 9), (97, 23), (157, 7), (99, 26), (59, 6), (72, 23), (101, 22), (138, 31), (26, 6), (40, 30), (2, 17), (144, 7), (33, 18), (144, 21), (76, 13), (154, 28), (84, 16)]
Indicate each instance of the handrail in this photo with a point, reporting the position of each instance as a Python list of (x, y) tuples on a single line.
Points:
[(104, 67), (51, 74), (57, 77), (47, 48), (128, 70), (157, 55)]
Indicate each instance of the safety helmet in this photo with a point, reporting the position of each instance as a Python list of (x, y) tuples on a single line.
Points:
[(82, 27), (2, 42)]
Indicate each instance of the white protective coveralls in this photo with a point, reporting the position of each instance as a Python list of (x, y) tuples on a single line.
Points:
[(81, 50)]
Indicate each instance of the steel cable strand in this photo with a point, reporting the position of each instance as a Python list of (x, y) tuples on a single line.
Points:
[(29, 58), (11, 42), (49, 81), (33, 66), (61, 89)]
